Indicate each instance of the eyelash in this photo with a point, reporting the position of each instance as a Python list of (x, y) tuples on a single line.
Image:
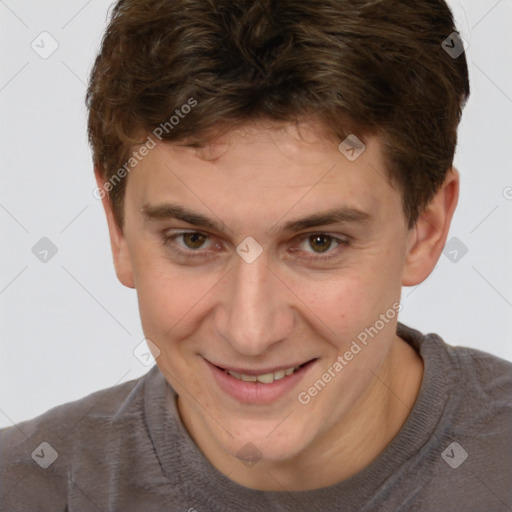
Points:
[(170, 241)]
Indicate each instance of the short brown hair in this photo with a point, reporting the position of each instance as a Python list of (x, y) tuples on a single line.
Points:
[(359, 66)]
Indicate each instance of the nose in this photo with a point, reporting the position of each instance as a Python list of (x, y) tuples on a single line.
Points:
[(255, 308)]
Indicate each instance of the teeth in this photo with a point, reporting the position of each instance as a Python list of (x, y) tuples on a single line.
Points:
[(280, 374), (265, 378)]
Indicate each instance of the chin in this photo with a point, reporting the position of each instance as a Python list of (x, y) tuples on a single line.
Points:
[(267, 443)]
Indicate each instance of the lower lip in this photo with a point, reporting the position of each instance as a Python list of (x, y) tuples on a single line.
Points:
[(257, 392)]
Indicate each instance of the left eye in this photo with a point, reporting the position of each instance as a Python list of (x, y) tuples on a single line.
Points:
[(320, 242), (318, 247)]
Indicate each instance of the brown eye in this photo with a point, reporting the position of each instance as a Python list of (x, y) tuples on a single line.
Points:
[(193, 240), (320, 243)]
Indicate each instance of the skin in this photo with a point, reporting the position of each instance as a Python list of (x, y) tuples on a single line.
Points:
[(282, 308)]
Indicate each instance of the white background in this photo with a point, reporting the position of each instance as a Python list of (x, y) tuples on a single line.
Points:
[(69, 327)]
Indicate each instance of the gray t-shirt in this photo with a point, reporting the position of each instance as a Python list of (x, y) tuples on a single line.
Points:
[(126, 449)]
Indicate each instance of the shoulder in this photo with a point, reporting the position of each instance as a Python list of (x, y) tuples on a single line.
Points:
[(39, 453), (466, 458), (471, 389), (487, 375), (478, 431), (478, 413), (106, 404)]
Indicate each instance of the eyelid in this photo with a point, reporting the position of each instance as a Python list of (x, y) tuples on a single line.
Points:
[(341, 240), (302, 236)]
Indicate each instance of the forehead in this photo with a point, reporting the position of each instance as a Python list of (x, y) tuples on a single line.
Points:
[(264, 171)]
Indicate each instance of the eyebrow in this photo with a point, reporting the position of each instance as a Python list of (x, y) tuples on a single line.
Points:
[(343, 214)]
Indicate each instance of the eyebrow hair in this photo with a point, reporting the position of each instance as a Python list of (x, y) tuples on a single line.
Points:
[(175, 211), (332, 216)]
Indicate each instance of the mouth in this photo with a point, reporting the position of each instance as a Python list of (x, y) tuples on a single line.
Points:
[(259, 386), (265, 376)]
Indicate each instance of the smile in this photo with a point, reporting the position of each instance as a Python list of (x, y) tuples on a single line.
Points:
[(264, 378), (258, 386)]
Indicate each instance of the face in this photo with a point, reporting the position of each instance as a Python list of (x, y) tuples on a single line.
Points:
[(266, 253)]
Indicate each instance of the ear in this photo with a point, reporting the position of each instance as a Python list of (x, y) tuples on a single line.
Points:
[(120, 253), (427, 238)]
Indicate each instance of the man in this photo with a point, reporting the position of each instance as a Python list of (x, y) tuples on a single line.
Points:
[(272, 174)]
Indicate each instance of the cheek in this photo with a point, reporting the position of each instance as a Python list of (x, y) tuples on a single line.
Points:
[(347, 304), (172, 299), (360, 312), (164, 296), (346, 298), (165, 299)]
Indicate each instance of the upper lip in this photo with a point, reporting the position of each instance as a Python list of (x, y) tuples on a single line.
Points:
[(260, 371)]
